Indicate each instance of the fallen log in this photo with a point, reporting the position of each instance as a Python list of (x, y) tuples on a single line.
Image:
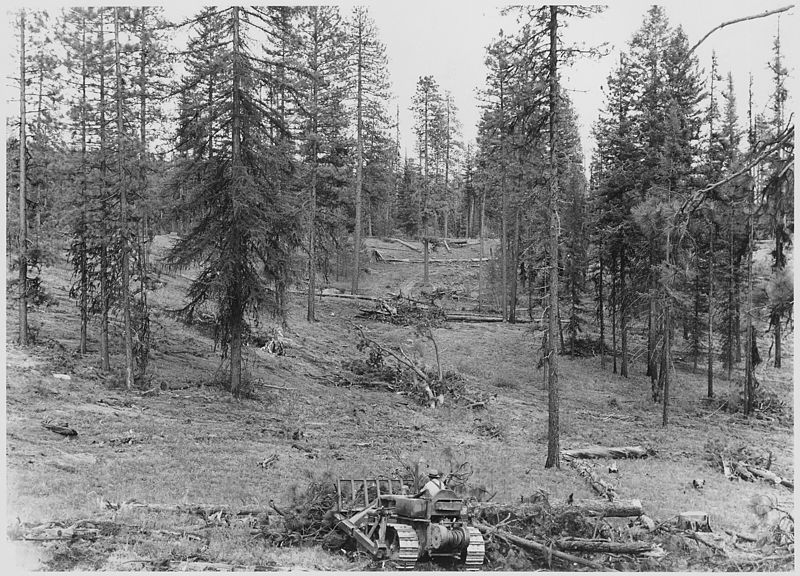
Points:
[(62, 428), (186, 566), (350, 297), (767, 475), (601, 508), (607, 452), (205, 510), (546, 551), (595, 545), (606, 508), (404, 243), (54, 531), (600, 486), (457, 317)]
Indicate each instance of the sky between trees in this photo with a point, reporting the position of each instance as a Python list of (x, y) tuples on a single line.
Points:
[(448, 39)]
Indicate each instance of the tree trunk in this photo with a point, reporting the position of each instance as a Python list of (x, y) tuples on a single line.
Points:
[(105, 289), (614, 312), (123, 216), (551, 363), (710, 370), (235, 291), (696, 325), (480, 265), (312, 256), (777, 336), (667, 350), (623, 316), (143, 327), (425, 258), (82, 263), (601, 311), (512, 308), (312, 232), (236, 348), (23, 177), (359, 165)]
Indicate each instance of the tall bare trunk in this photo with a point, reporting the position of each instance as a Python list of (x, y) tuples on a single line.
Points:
[(23, 177), (601, 311), (667, 350), (359, 158), (482, 253), (105, 289), (512, 308), (623, 316), (551, 358), (123, 216), (711, 312)]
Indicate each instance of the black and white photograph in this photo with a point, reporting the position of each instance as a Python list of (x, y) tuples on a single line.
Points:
[(431, 286)]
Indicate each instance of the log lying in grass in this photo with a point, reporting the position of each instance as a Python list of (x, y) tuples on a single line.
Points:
[(608, 509), (599, 485), (187, 566), (604, 508), (60, 428), (750, 473), (594, 545), (466, 317), (205, 510), (349, 297), (607, 452), (546, 551), (52, 531), (403, 243)]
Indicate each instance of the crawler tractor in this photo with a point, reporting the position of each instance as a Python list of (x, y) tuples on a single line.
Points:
[(391, 525)]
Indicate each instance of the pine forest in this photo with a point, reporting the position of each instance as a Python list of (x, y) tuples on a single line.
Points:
[(443, 286)]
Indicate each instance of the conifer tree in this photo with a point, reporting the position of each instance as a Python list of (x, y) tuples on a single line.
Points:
[(244, 230), (367, 73)]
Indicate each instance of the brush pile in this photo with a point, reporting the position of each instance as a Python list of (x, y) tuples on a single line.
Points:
[(376, 373), (426, 385), (402, 311), (534, 535), (740, 461), (307, 519)]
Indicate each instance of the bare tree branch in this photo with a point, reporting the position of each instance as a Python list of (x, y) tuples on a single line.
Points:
[(736, 21)]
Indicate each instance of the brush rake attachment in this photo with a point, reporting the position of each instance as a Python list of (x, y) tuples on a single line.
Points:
[(391, 525)]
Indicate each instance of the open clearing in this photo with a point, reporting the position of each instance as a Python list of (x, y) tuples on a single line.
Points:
[(184, 440)]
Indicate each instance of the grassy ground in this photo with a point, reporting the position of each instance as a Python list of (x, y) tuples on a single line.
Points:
[(187, 441)]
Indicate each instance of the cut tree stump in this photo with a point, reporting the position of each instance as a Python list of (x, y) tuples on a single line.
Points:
[(696, 521), (595, 545), (607, 452)]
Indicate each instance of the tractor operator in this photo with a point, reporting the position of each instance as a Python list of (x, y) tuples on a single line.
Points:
[(434, 485)]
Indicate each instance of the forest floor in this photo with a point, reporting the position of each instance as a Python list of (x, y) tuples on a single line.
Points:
[(182, 439)]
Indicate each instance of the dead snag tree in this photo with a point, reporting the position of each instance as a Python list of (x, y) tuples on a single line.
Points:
[(22, 260)]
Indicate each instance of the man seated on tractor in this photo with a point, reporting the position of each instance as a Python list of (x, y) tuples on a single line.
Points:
[(433, 486)]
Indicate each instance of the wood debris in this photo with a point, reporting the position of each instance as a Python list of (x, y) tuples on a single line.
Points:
[(60, 428)]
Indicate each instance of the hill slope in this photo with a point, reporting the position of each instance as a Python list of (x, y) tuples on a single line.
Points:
[(185, 440)]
